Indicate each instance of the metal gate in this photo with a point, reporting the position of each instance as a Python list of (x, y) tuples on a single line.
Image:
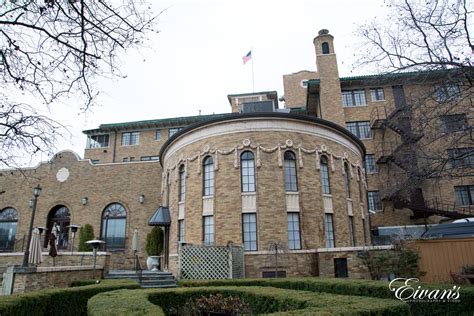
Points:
[(210, 262)]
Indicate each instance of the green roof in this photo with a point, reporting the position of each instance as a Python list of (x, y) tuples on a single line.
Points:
[(166, 122)]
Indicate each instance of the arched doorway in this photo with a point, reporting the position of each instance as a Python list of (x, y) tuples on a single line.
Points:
[(113, 229), (60, 216)]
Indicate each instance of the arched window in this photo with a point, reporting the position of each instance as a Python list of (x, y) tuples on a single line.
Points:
[(59, 219), (325, 47), (8, 222), (208, 176), (182, 184), (114, 220), (324, 170), (347, 180), (290, 172), (248, 171)]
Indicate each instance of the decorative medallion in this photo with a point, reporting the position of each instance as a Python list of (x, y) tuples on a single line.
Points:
[(62, 174), (246, 142), (289, 143), (206, 148)]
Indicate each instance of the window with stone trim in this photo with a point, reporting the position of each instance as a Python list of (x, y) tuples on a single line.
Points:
[(247, 164), (352, 231), (173, 131), (461, 157), (361, 129), (464, 195), (447, 92), (454, 123), (377, 94), (291, 184), (180, 230), (365, 231), (294, 236), (8, 225), (324, 171), (182, 184), (329, 230), (114, 220), (208, 230), (370, 165), (130, 138), (361, 186), (208, 176), (249, 231), (375, 204), (158, 134), (352, 98)]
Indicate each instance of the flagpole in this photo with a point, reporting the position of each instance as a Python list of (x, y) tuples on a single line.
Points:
[(253, 81)]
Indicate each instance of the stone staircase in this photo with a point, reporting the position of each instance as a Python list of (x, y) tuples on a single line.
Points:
[(146, 279)]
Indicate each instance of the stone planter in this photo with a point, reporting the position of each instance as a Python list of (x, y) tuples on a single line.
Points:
[(152, 263)]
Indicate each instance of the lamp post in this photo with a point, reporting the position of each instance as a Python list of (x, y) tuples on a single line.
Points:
[(95, 245), (36, 193), (74, 229)]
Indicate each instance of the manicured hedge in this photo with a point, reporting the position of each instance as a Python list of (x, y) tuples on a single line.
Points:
[(262, 300), (365, 288), (64, 301)]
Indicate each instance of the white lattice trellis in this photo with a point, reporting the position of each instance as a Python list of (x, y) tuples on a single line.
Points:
[(210, 262)]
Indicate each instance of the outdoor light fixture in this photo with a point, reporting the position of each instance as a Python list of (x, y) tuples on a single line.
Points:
[(95, 245), (36, 193), (84, 200), (30, 204), (141, 198), (74, 229)]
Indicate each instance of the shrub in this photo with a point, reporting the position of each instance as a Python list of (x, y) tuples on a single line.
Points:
[(154, 242), (367, 288), (86, 233), (68, 301), (261, 301)]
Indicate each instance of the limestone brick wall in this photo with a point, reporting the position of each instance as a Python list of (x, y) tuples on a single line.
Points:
[(148, 146), (102, 184), (355, 268), (270, 193), (45, 278), (63, 259), (295, 94), (294, 264)]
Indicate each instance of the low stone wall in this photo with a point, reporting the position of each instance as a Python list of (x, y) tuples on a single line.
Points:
[(23, 280), (63, 259), (355, 267)]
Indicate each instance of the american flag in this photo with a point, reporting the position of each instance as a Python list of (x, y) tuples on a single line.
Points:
[(247, 57)]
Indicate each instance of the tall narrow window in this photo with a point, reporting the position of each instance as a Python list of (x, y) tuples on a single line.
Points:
[(347, 180), (180, 230), (324, 170), (325, 48), (329, 228), (375, 204), (182, 184), (114, 219), (248, 172), (249, 231), (294, 239), (365, 232), (361, 186), (208, 230), (370, 164), (290, 172), (352, 231), (8, 223), (208, 176)]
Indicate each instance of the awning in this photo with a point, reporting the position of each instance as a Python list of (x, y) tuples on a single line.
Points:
[(161, 217)]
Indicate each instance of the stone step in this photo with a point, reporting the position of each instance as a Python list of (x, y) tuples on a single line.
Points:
[(148, 279)]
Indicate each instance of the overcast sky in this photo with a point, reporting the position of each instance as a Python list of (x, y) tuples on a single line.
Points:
[(196, 59)]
